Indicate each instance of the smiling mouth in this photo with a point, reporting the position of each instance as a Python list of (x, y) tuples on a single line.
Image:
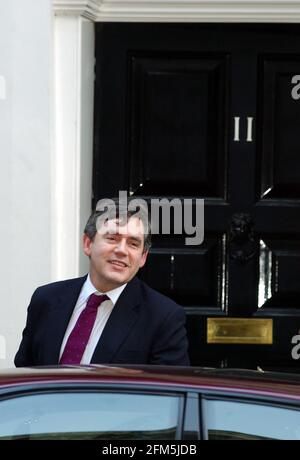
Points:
[(118, 263)]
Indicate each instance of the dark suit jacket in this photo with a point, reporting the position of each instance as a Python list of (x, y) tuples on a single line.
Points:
[(144, 327)]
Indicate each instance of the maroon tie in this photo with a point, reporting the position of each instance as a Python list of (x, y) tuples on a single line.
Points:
[(80, 335)]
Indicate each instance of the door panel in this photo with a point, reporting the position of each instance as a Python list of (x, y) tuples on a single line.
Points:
[(210, 111), (280, 268), (190, 276), (176, 102), (280, 172)]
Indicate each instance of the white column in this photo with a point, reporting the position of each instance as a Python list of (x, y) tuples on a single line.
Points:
[(73, 146)]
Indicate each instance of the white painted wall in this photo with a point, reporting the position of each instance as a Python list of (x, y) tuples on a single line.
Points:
[(25, 161), (46, 151)]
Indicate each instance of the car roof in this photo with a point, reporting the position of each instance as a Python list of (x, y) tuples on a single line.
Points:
[(255, 382)]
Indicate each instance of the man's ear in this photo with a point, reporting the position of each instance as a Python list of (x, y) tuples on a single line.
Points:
[(143, 258), (86, 245)]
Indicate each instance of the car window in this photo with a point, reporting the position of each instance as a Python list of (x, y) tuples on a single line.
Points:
[(92, 415), (235, 420)]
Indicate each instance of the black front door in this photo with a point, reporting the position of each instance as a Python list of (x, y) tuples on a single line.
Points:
[(213, 112)]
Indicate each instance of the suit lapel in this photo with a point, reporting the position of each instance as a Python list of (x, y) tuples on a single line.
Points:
[(59, 315), (119, 324)]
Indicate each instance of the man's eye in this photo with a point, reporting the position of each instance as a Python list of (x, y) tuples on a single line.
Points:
[(111, 237)]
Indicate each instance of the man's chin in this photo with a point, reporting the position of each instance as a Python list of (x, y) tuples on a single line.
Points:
[(118, 278), (122, 278)]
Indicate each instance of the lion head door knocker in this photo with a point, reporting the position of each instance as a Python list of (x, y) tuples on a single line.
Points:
[(242, 247)]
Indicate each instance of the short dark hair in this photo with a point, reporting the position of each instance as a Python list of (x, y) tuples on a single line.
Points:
[(112, 210)]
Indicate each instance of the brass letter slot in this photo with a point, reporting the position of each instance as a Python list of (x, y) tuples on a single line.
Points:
[(253, 331)]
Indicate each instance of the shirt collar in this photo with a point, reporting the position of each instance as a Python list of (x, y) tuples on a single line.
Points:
[(88, 289)]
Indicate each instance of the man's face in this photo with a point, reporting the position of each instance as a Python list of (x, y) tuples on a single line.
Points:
[(116, 253)]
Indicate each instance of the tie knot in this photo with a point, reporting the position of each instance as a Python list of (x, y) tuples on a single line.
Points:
[(95, 300)]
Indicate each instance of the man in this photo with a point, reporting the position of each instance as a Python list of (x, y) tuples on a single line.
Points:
[(108, 316)]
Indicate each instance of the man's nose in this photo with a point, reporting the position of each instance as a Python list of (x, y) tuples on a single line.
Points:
[(121, 247)]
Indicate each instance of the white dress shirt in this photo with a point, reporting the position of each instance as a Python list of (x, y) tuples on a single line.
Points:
[(103, 314)]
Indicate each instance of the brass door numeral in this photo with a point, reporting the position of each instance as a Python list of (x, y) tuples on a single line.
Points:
[(236, 136)]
